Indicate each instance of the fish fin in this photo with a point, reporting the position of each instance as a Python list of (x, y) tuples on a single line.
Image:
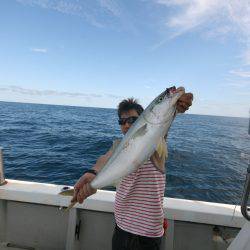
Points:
[(158, 162), (69, 192), (141, 131), (117, 183), (161, 149), (158, 158), (72, 204)]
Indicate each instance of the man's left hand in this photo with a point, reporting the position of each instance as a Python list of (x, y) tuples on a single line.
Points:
[(184, 102)]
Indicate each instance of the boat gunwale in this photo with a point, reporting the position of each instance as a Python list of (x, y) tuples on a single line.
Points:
[(103, 201)]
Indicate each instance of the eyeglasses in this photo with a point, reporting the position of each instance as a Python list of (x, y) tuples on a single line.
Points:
[(130, 120)]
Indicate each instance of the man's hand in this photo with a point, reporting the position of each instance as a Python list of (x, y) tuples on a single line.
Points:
[(185, 101), (83, 189)]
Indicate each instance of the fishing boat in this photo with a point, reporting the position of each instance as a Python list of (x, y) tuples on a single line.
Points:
[(32, 217)]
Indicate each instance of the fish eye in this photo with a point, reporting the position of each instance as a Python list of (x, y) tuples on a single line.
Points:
[(160, 98)]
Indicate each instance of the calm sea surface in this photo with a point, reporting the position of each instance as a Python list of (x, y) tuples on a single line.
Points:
[(54, 144)]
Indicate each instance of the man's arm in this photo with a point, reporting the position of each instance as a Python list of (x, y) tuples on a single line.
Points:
[(82, 187), (102, 160)]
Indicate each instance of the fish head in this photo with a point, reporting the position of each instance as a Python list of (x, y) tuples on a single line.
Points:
[(163, 106)]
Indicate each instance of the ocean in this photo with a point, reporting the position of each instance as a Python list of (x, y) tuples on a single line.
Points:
[(55, 144)]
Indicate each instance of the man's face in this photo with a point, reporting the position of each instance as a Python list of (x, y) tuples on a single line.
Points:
[(130, 113)]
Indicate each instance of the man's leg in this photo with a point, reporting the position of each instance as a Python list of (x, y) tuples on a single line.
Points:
[(148, 243), (120, 239), (123, 240)]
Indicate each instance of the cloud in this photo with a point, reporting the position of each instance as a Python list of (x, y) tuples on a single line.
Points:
[(244, 93), (111, 6), (241, 73), (73, 7), (240, 78), (214, 17), (99, 13), (238, 108), (191, 14), (35, 92), (39, 50), (237, 84), (114, 96)]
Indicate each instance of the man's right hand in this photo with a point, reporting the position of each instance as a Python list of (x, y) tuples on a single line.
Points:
[(83, 188)]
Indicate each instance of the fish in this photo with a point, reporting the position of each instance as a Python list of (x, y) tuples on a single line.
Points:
[(143, 138)]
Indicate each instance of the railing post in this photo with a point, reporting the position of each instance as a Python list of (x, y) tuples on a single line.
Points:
[(2, 179), (245, 197)]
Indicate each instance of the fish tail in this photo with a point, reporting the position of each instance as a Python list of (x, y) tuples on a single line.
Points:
[(70, 206)]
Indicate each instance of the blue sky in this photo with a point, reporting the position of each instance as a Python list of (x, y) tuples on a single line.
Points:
[(97, 52)]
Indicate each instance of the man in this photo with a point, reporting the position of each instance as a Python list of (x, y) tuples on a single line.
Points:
[(139, 197)]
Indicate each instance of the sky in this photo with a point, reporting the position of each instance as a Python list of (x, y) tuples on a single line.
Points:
[(98, 52)]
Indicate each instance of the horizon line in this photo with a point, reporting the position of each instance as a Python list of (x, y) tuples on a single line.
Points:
[(244, 117)]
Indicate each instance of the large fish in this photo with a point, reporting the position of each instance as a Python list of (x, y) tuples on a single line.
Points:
[(141, 140)]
